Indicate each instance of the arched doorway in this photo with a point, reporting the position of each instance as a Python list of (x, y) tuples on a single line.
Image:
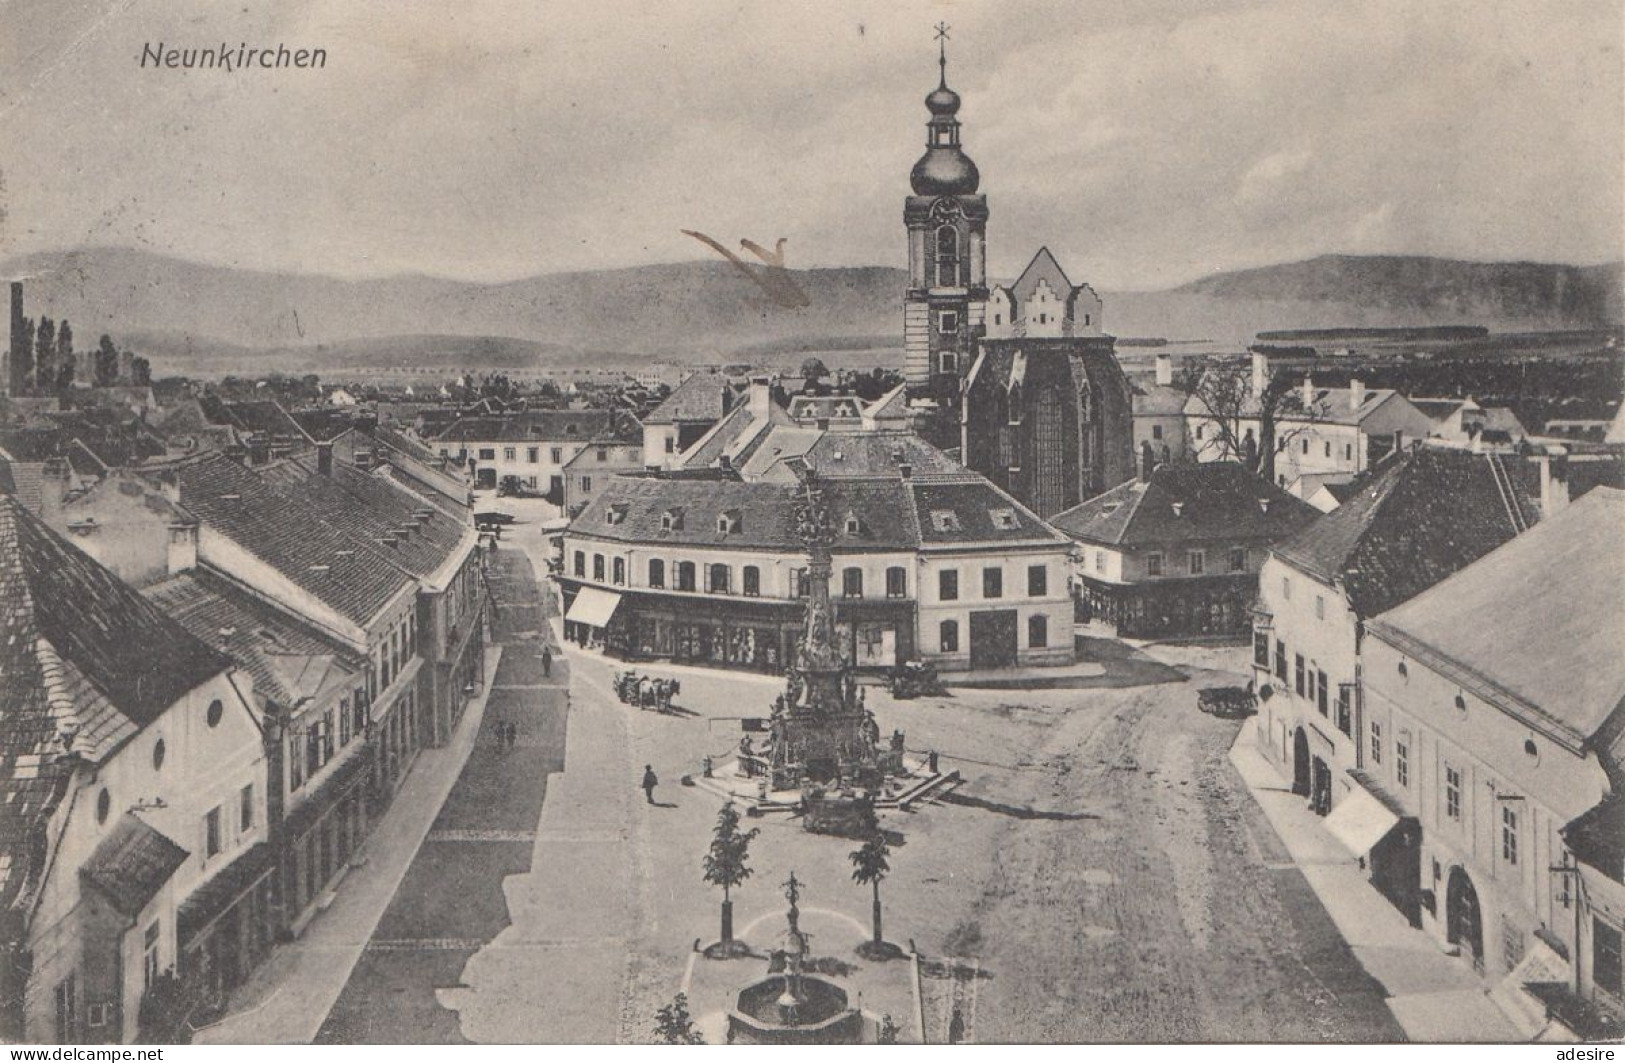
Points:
[(1463, 922), (1300, 763)]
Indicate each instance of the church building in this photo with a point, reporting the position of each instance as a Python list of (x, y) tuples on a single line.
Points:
[(1023, 379)]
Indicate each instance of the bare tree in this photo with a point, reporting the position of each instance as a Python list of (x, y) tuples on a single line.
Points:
[(1249, 425)]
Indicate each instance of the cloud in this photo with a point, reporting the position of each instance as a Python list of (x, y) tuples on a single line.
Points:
[(1144, 143)]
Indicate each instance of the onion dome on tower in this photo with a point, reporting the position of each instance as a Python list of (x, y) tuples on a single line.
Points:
[(944, 169)]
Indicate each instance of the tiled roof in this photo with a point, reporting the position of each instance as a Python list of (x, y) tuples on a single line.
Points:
[(288, 659), (616, 453), (1217, 501), (826, 407), (778, 445), (1438, 409), (287, 530), (1330, 406), (981, 513), (264, 416), (699, 398), (398, 441), (1598, 836), (1417, 519), (322, 425), (86, 663), (543, 426), (25, 480), (369, 509), (1539, 618), (840, 455), (1043, 267), (1157, 400), (736, 436), (630, 509), (132, 864)]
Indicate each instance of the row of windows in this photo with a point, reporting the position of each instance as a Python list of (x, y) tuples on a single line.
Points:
[(1195, 562), (718, 578), (214, 822), (310, 749), (392, 655), (1308, 681), (1037, 633), (533, 455)]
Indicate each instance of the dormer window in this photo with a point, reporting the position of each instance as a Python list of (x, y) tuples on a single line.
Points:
[(1004, 519), (854, 526), (671, 520), (617, 513), (944, 520), (728, 523)]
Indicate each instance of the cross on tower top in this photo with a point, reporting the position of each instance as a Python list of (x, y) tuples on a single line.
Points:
[(942, 50)]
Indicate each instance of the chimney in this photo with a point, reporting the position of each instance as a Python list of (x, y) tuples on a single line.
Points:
[(182, 548), (1554, 480), (760, 397), (1165, 370), (1356, 393), (1261, 373), (1308, 392), (1148, 461), (324, 459)]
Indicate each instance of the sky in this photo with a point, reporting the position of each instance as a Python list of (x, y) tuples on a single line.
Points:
[(1146, 144)]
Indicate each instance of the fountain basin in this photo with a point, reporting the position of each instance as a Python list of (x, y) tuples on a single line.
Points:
[(823, 1016)]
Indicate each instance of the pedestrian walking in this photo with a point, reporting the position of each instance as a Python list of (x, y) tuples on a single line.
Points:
[(649, 783), (547, 661), (502, 733), (513, 735)]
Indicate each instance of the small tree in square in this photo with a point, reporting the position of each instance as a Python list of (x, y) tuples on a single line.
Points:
[(674, 1025), (726, 866)]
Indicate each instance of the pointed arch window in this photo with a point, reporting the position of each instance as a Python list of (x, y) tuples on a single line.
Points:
[(947, 256)]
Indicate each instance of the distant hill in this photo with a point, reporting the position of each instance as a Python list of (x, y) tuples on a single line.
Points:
[(190, 316)]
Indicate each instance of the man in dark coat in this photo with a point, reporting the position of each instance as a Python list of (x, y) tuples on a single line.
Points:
[(649, 783)]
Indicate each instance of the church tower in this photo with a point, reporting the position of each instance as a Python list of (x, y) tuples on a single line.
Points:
[(947, 253)]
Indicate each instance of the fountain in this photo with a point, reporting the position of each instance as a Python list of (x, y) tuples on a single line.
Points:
[(792, 1007)]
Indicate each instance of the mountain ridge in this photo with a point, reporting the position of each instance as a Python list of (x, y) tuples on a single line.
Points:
[(185, 314)]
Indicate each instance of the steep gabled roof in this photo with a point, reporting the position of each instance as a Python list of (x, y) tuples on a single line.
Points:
[(1217, 501), (370, 509), (1043, 267), (1419, 518), (543, 426), (288, 659), (285, 529), (1538, 618), (703, 397), (86, 662)]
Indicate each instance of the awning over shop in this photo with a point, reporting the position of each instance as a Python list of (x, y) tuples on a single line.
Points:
[(593, 607), (1360, 821)]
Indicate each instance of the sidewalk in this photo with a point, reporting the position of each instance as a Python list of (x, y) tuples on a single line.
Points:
[(1434, 997), (289, 996), (553, 975)]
